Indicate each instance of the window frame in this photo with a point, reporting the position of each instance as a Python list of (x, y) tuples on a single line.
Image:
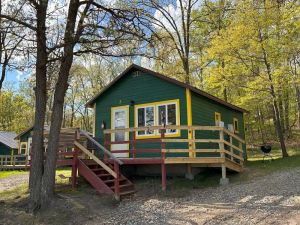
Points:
[(218, 114), (156, 133), (236, 129), (20, 149), (137, 116)]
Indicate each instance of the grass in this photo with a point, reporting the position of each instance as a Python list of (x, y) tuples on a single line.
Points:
[(8, 173), (256, 167), (209, 177), (179, 186), (22, 190)]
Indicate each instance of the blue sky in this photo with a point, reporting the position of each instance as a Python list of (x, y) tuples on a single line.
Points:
[(14, 77)]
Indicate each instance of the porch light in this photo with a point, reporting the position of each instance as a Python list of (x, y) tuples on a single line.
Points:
[(103, 125)]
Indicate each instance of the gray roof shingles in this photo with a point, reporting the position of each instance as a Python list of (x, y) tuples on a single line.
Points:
[(7, 138)]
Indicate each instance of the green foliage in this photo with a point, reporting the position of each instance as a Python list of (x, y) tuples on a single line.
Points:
[(16, 114)]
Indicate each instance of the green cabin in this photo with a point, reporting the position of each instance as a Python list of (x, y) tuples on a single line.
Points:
[(8, 145), (24, 140), (141, 98)]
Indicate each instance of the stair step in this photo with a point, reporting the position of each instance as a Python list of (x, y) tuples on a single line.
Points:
[(111, 181), (122, 186), (98, 169), (104, 175), (123, 193)]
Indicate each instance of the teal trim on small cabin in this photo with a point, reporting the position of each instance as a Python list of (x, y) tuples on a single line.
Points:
[(137, 85), (5, 150)]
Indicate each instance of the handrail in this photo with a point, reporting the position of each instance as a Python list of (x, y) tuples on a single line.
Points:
[(181, 127), (193, 141), (103, 165), (100, 146), (234, 135)]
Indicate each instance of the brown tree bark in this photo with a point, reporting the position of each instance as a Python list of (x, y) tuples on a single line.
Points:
[(36, 170), (61, 87)]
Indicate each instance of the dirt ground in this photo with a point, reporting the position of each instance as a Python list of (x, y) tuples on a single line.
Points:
[(11, 182), (272, 199)]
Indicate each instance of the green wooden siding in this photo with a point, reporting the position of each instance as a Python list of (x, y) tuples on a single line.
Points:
[(5, 150), (25, 136), (203, 113), (141, 88)]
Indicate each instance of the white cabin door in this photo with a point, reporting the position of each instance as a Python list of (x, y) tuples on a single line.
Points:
[(120, 119)]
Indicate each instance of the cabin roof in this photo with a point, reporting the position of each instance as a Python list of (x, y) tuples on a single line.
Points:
[(46, 127), (168, 79), (8, 138)]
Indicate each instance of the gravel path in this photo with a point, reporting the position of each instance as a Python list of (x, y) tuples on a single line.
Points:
[(273, 199), (13, 181)]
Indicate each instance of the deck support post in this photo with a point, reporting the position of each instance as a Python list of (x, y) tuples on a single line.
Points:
[(75, 161), (163, 165), (189, 175), (224, 180), (117, 181), (75, 168)]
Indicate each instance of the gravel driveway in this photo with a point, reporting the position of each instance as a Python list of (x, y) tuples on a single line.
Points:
[(273, 199), (13, 181)]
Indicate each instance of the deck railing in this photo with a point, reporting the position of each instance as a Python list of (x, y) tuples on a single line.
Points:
[(14, 162), (224, 144)]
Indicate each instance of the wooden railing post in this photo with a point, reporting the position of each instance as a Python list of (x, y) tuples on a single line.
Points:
[(134, 144), (223, 180), (117, 180), (75, 161), (231, 149), (163, 157), (240, 153), (106, 145)]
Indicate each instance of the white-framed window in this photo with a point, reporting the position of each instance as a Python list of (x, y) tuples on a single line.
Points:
[(157, 114), (167, 115), (23, 148), (145, 118)]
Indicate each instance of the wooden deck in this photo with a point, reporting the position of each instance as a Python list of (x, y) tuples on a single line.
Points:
[(78, 149)]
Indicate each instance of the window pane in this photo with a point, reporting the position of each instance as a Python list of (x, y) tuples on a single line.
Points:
[(141, 119), (150, 118), (171, 114), (172, 117), (161, 115)]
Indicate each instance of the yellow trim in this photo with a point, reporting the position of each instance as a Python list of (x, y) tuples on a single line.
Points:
[(218, 115), (127, 125), (235, 129), (26, 148), (189, 120), (94, 128), (155, 104)]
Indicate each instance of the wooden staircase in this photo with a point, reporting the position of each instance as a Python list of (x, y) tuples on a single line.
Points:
[(103, 175), (102, 180)]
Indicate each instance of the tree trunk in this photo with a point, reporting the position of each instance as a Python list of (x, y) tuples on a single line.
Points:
[(36, 170), (286, 113), (275, 104), (58, 103), (186, 71), (279, 128), (298, 104), (3, 71)]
